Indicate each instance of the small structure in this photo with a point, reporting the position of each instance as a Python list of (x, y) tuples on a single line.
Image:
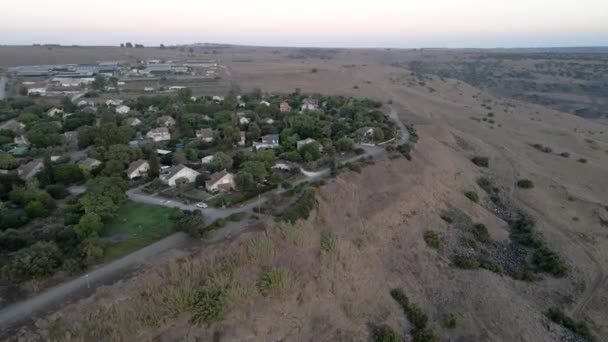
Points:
[(217, 99), (179, 174), (205, 134), (267, 142), (21, 140), (113, 103), (207, 160), (36, 91), (138, 168), (55, 111), (162, 152), (133, 121), (281, 166), (89, 164), (71, 139), (310, 104), (265, 103), (285, 107), (122, 109), (159, 134), (19, 151), (242, 138), (29, 170), (305, 142), (220, 181), (13, 126), (243, 120), (82, 103), (269, 121), (148, 89), (166, 121)]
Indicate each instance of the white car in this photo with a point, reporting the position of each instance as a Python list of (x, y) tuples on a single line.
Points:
[(202, 205)]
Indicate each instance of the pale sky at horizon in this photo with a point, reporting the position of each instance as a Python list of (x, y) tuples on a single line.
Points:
[(338, 23)]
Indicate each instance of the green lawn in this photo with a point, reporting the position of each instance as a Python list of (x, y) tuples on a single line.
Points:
[(149, 223), (197, 194)]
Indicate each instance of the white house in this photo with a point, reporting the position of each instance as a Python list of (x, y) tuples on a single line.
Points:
[(159, 134), (179, 175), (310, 104), (148, 89), (220, 181), (133, 121), (36, 91), (122, 109), (89, 164), (138, 169), (83, 103), (265, 103), (217, 98), (244, 120), (52, 112), (166, 121), (114, 103)]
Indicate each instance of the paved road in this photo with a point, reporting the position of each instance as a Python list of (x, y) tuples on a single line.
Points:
[(3, 81), (82, 286), (56, 296)]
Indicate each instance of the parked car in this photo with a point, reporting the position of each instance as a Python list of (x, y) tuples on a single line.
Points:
[(202, 205)]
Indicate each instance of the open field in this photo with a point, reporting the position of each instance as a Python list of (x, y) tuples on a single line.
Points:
[(330, 277), (135, 226)]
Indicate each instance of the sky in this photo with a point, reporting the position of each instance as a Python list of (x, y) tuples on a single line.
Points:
[(314, 23)]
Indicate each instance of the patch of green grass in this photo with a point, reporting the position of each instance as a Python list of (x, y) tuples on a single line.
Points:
[(472, 195), (385, 333), (432, 239), (329, 243), (481, 161), (481, 233), (276, 281), (196, 194), (146, 223), (466, 262)]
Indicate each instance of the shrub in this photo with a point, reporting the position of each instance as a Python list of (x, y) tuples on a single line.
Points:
[(329, 243), (582, 160), (565, 154), (401, 298), (491, 266), (446, 218), (472, 195), (359, 151), (425, 335), (449, 320), (481, 161), (481, 233), (208, 306), (236, 217), (276, 281), (549, 262), (384, 333), (417, 317), (559, 316), (525, 184), (301, 208), (432, 239), (466, 262), (260, 249)]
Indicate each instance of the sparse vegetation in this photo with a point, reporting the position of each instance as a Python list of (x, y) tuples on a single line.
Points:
[(432, 239), (559, 316), (301, 208), (384, 333), (481, 233), (276, 281), (525, 184), (481, 161), (415, 315), (466, 262), (542, 148), (329, 243), (565, 154), (446, 218), (582, 160), (472, 195), (449, 320)]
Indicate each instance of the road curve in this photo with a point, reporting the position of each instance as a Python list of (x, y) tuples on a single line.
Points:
[(85, 284)]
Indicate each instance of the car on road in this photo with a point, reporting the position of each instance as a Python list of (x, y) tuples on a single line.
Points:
[(202, 205), (166, 202)]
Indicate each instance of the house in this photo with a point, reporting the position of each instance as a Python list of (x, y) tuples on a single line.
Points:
[(138, 169), (207, 159), (220, 181), (265, 103), (122, 109), (305, 142), (205, 134), (217, 98), (269, 121), (52, 112), (21, 140), (244, 120), (19, 151), (179, 174), (36, 91), (281, 166), (71, 139), (159, 134), (13, 126), (133, 121), (166, 121), (285, 107), (365, 133), (114, 103), (148, 89), (267, 141), (310, 104), (82, 103), (162, 152), (89, 164), (29, 170), (242, 138)]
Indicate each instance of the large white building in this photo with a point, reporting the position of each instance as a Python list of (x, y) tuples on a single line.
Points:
[(179, 174)]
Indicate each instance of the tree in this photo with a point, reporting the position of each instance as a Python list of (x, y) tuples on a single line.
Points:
[(113, 168), (124, 153), (44, 134), (378, 135), (36, 209), (12, 240), (221, 161), (86, 136), (253, 132), (231, 135), (244, 181), (191, 222), (256, 169), (67, 174), (99, 83), (310, 152), (154, 170), (179, 157), (39, 260), (344, 144), (103, 196), (184, 94), (110, 134), (27, 117), (7, 162), (129, 45), (90, 225)]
